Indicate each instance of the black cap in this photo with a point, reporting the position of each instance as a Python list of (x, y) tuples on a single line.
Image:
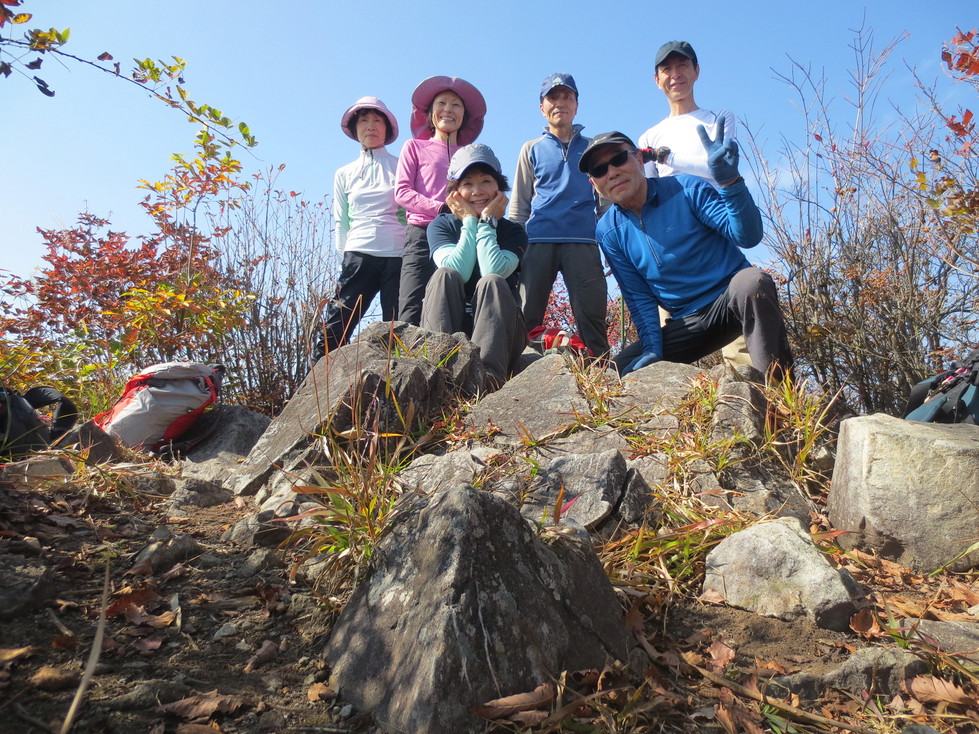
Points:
[(612, 138), (675, 47)]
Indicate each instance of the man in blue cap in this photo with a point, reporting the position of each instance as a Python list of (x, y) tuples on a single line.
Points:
[(677, 243), (553, 200)]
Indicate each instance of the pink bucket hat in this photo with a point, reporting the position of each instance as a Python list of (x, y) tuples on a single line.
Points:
[(369, 103), (426, 92)]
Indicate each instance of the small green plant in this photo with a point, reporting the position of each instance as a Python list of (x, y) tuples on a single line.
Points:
[(357, 491), (796, 426)]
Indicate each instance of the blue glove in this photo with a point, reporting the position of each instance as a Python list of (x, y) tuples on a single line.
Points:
[(722, 155), (643, 360)]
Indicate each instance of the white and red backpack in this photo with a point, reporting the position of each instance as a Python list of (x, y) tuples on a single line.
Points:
[(161, 403)]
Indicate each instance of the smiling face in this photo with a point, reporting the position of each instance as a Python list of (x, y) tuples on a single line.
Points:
[(448, 113), (478, 188), (371, 129), (676, 76), (559, 107), (624, 184)]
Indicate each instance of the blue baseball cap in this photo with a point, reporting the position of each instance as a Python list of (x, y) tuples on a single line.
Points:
[(558, 79)]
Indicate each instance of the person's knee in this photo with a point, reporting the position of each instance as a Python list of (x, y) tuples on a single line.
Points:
[(753, 283)]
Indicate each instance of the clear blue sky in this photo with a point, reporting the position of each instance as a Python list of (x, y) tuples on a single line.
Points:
[(290, 69)]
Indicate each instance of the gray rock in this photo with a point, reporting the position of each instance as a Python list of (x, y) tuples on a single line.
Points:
[(234, 431), (592, 483), (165, 549), (372, 384), (908, 491), (880, 671), (960, 639), (25, 583), (193, 492), (654, 390), (774, 569), (535, 406), (97, 446), (740, 411), (465, 598)]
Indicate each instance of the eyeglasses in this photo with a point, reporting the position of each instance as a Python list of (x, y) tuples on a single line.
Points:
[(617, 160)]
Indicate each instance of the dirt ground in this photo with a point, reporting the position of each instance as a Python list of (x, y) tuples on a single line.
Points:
[(221, 640)]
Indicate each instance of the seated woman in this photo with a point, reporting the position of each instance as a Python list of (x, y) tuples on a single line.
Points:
[(477, 254), (370, 226)]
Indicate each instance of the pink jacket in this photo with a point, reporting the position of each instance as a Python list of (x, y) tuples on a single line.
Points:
[(423, 170)]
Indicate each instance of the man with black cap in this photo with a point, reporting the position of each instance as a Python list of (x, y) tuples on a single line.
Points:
[(676, 243), (556, 205), (673, 143)]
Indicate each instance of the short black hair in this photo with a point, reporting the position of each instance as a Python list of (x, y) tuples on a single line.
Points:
[(479, 168), (354, 119)]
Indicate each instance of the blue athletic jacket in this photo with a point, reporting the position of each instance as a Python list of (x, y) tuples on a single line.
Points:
[(551, 197), (682, 253)]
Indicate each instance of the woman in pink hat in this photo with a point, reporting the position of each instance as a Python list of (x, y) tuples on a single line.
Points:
[(370, 230), (446, 113)]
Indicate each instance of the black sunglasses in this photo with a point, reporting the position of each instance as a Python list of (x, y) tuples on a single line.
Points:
[(616, 160)]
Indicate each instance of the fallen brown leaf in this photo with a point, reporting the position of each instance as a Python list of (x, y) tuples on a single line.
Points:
[(203, 706), (711, 596), (198, 729), (928, 689), (320, 692), (865, 623), (501, 708), (721, 655), (265, 653), (48, 678), (9, 654), (129, 596)]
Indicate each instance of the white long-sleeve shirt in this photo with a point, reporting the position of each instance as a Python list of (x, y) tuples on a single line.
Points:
[(679, 134), (367, 219)]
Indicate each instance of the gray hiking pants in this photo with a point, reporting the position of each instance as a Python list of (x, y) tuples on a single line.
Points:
[(749, 306), (492, 320)]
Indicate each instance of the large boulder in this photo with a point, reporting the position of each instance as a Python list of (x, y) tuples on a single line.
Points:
[(908, 491), (775, 569), (465, 598)]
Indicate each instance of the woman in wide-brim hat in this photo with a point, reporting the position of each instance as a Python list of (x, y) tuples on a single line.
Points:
[(369, 229), (447, 112)]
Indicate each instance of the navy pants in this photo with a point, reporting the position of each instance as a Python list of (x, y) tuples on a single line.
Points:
[(416, 270), (362, 278)]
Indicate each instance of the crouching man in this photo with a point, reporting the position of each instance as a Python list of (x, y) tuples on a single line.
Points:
[(676, 242), (477, 253)]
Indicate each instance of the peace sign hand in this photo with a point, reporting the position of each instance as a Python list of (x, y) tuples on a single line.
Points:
[(722, 155)]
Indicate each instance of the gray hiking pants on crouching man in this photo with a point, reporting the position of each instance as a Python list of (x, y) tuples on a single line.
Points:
[(749, 306)]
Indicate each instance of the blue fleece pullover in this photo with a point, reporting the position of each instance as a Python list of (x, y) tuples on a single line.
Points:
[(682, 253), (551, 197)]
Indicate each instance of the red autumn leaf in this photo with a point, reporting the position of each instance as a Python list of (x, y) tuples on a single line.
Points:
[(139, 597)]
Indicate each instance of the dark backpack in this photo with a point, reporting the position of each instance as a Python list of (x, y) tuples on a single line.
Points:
[(22, 432), (949, 397)]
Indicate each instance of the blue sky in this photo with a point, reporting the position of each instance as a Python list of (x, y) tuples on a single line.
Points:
[(290, 70)]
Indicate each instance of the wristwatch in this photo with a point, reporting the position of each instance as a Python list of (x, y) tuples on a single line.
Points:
[(490, 220)]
